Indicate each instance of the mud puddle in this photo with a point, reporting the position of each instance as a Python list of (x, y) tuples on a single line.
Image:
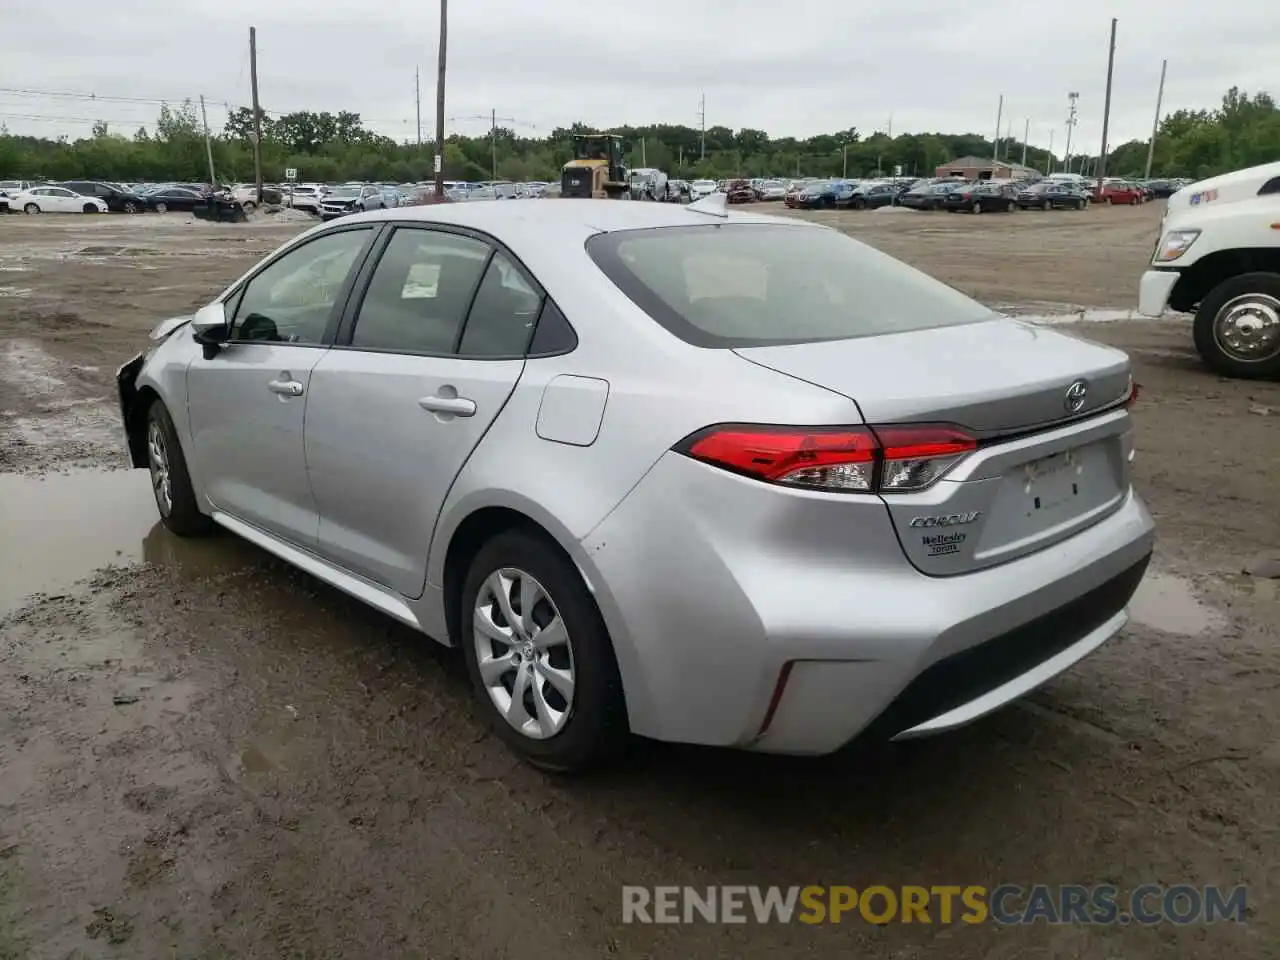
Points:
[(1165, 602), (57, 530)]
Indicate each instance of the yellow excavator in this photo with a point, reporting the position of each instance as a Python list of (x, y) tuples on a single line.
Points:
[(596, 169)]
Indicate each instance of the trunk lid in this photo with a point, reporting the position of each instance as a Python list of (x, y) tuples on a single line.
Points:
[(1043, 471), (998, 376)]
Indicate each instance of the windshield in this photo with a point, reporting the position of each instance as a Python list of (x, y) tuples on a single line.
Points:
[(705, 184), (740, 285)]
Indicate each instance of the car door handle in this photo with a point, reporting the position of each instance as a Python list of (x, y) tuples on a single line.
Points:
[(458, 406), (286, 388)]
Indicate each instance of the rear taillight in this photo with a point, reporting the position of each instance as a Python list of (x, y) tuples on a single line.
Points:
[(1134, 388), (885, 459)]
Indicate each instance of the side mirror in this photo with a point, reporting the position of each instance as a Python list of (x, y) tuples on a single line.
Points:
[(210, 329)]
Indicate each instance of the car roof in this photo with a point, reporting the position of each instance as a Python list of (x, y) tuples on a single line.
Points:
[(511, 219)]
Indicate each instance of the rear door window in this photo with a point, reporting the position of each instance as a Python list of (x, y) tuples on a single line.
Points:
[(420, 292)]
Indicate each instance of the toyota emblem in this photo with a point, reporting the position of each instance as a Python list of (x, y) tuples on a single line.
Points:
[(1074, 398)]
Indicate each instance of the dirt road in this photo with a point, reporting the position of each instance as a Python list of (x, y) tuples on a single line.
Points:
[(205, 754)]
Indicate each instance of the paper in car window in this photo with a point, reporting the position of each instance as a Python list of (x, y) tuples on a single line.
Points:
[(422, 282)]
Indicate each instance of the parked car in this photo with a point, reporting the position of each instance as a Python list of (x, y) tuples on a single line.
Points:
[(10, 187), (705, 478), (928, 196), (117, 199), (51, 198), (701, 188), (344, 200), (1047, 195), (306, 197), (175, 198), (740, 191), (982, 198), (873, 194), (247, 195), (771, 190), (1162, 189), (825, 195), (1118, 191)]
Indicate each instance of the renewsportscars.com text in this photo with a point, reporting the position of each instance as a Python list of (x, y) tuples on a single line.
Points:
[(1007, 904)]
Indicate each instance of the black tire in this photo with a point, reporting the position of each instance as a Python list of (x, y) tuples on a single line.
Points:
[(1044, 205), (31, 209), (249, 206), (89, 208), (130, 207), (181, 515), (859, 205), (1212, 352), (596, 728), (977, 207), (162, 207)]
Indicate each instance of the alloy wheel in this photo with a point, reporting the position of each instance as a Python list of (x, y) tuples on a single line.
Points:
[(1247, 328), (524, 653), (158, 462)]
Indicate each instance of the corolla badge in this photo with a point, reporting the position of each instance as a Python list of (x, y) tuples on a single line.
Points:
[(1075, 396), (947, 519)]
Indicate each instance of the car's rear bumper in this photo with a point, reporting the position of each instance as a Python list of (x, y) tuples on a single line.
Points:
[(1154, 291), (747, 615)]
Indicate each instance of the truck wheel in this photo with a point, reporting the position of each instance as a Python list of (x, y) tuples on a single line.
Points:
[(1237, 328)]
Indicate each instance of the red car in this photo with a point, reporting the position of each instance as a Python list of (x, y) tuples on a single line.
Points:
[(1118, 191)]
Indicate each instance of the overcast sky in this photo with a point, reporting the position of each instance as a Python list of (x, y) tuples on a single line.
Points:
[(795, 68)]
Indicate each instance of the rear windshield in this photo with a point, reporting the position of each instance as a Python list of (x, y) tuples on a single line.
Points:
[(747, 285)]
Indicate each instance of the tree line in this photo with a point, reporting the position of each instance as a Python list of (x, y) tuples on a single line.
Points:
[(326, 147)]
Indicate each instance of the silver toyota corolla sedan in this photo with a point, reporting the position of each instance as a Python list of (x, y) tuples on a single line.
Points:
[(711, 477)]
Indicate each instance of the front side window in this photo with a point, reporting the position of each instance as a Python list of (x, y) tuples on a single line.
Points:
[(743, 285), (419, 293), (291, 300)]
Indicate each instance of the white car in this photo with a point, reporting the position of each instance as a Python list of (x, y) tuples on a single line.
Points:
[(305, 196), (701, 188), (55, 200)]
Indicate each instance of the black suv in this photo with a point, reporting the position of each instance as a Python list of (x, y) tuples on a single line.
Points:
[(116, 197)]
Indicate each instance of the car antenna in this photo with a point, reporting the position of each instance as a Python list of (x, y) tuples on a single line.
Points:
[(713, 204)]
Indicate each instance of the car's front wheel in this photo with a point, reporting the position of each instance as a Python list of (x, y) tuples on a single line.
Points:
[(539, 654), (162, 207), (170, 479), (31, 209), (89, 208)]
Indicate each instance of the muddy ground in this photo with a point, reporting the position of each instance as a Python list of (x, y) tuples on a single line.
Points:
[(205, 754)]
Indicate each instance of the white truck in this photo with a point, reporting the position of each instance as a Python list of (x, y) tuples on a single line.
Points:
[(1219, 256)]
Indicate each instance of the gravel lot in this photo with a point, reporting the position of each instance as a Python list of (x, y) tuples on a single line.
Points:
[(205, 754)]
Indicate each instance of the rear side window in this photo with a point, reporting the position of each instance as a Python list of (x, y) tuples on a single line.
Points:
[(744, 285), (503, 313)]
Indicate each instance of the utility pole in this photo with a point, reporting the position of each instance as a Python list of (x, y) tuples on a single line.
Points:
[(439, 158), (493, 140), (1071, 122), (257, 111), (1106, 106), (889, 128), (417, 100), (1026, 135), (1155, 125), (844, 170), (702, 124), (208, 146), (1049, 163), (995, 153)]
